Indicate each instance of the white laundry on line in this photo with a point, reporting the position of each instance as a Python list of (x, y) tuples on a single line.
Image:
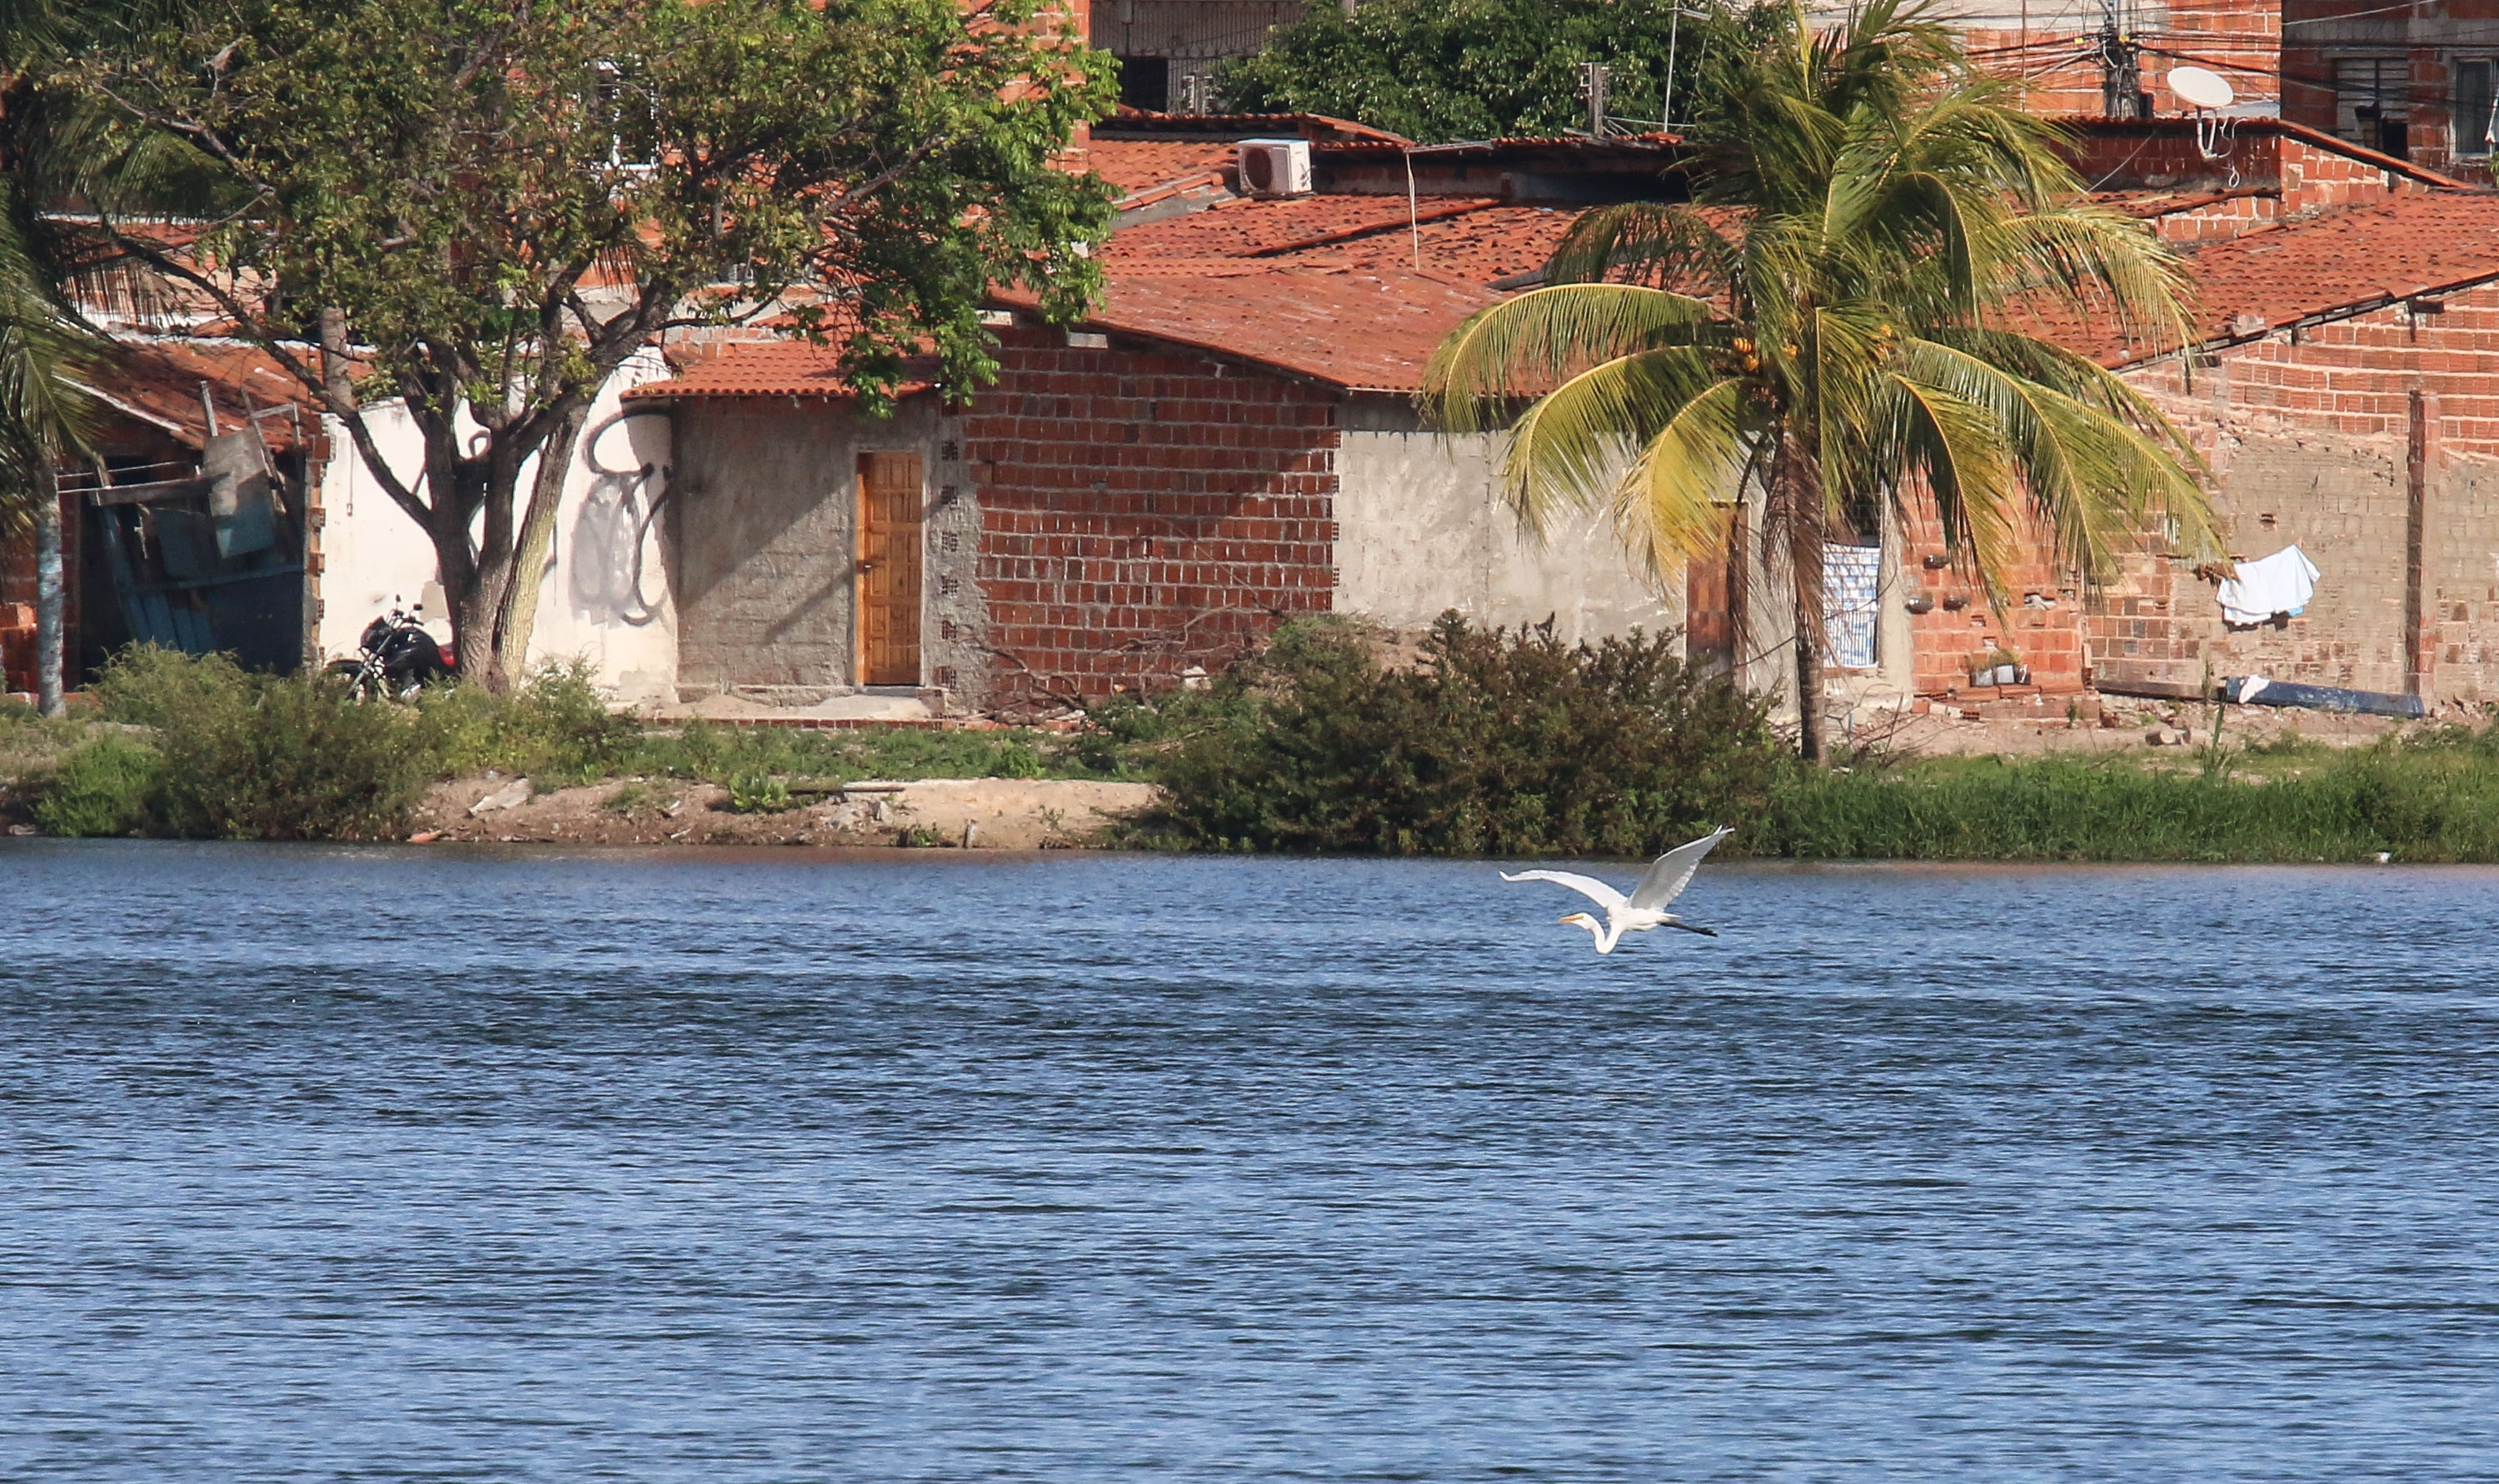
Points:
[(2281, 583)]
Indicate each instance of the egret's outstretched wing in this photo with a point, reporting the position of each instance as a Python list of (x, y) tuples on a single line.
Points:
[(1671, 872), (1586, 886)]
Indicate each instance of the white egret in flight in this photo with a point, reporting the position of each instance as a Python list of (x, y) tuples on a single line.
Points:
[(1645, 908)]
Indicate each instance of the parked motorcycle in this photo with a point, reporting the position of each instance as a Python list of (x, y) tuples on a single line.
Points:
[(399, 659)]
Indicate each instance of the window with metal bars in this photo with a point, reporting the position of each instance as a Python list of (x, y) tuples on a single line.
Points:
[(2471, 122)]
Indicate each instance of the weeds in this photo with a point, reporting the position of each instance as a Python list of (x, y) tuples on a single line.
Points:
[(2435, 803), (101, 789), (753, 791), (252, 757)]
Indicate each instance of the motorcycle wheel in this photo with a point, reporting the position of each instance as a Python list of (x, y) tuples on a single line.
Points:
[(362, 683)]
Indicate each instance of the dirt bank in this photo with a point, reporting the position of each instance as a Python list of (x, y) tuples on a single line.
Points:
[(981, 813)]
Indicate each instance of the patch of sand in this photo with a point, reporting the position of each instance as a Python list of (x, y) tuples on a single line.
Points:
[(978, 813)]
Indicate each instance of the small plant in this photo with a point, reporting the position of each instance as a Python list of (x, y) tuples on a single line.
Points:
[(921, 837), (101, 789), (1016, 760), (753, 791), (626, 799)]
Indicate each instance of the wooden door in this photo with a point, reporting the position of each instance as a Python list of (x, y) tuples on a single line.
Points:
[(889, 569)]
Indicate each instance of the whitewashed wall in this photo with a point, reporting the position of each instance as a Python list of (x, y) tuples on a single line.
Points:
[(604, 594)]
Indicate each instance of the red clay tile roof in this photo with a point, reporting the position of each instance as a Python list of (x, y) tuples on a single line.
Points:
[(2326, 267), (1364, 332), (759, 369), (1478, 246), (2400, 248), (1136, 166), (1237, 228)]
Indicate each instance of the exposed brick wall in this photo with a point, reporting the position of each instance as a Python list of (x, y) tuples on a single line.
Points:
[(18, 586), (1144, 509), (2042, 621), (2057, 66), (2309, 442)]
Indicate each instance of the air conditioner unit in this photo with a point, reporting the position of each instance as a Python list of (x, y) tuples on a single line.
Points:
[(1276, 167)]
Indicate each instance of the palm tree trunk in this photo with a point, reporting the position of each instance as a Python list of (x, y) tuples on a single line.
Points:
[(51, 594), (1740, 592), (1804, 519)]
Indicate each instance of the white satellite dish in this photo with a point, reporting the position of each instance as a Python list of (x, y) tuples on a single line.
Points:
[(2201, 87)]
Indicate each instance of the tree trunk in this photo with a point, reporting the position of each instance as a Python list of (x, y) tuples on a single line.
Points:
[(1804, 563), (518, 614), (51, 596), (1740, 592)]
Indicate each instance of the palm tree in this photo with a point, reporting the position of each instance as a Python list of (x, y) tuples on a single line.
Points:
[(42, 416), (1836, 324)]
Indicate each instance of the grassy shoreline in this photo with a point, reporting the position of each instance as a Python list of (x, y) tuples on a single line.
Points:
[(1503, 747)]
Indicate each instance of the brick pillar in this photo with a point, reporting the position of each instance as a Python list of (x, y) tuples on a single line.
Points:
[(2420, 627)]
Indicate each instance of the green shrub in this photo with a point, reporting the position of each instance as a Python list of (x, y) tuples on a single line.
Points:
[(552, 727), (100, 789), (252, 757), (1501, 743)]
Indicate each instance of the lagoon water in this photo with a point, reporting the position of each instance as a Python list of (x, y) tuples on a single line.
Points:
[(323, 1164)]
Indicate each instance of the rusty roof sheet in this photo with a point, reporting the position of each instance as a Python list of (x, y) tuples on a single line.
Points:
[(792, 367), (159, 382)]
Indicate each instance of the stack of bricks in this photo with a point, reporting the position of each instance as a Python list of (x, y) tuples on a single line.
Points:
[(1145, 510)]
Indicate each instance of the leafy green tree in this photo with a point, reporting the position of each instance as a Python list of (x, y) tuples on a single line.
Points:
[(1438, 70), (484, 206), (1840, 325)]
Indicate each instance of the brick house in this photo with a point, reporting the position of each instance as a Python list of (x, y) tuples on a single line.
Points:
[(1133, 498)]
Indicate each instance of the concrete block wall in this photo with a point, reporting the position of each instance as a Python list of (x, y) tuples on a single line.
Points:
[(954, 625), (1422, 527), (1143, 510), (761, 526)]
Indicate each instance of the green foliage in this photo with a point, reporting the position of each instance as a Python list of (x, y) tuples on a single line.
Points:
[(553, 729), (1512, 744), (1437, 70), (252, 757), (464, 180), (100, 789), (718, 754), (2432, 802), (1825, 323), (753, 791)]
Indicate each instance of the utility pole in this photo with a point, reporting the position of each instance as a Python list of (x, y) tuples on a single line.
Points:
[(1593, 80), (2122, 94)]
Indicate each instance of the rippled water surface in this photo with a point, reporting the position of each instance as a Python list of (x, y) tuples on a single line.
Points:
[(324, 1164)]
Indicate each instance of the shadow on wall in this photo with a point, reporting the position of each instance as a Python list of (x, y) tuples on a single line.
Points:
[(612, 534)]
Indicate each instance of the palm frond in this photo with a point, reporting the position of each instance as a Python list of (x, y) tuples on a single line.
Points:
[(1571, 446), (1520, 347)]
